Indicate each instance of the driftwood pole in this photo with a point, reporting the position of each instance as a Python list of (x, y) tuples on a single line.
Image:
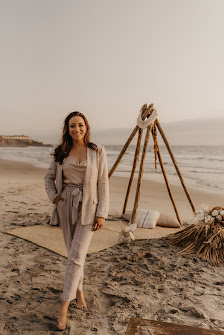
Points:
[(145, 112), (175, 165), (133, 168), (141, 169), (123, 151), (156, 146)]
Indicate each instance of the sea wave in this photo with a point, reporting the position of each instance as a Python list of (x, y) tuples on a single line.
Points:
[(201, 166)]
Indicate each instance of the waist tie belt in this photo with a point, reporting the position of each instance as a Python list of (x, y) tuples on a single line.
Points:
[(76, 193)]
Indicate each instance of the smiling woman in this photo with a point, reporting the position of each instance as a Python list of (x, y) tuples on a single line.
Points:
[(76, 131), (77, 184)]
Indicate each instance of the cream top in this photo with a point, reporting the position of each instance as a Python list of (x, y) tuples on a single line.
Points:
[(73, 171)]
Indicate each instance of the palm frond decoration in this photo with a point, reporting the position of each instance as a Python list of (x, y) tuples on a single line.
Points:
[(206, 237)]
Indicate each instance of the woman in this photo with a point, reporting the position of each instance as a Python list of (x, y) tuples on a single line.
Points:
[(77, 183)]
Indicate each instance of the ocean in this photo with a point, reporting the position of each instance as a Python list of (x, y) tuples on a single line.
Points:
[(202, 167)]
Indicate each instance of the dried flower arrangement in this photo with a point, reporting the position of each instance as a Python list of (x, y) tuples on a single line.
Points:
[(205, 236)]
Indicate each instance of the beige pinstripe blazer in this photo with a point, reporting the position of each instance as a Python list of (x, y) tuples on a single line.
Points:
[(95, 201)]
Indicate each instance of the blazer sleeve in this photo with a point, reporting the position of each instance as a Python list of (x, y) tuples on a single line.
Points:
[(49, 180), (103, 185)]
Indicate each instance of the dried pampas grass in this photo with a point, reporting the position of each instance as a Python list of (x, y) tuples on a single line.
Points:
[(205, 237)]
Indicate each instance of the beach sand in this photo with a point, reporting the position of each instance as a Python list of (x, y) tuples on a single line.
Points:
[(147, 279)]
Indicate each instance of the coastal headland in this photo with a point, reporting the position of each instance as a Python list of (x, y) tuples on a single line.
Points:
[(20, 141)]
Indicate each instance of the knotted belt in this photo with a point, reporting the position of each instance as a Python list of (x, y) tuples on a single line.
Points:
[(76, 193)]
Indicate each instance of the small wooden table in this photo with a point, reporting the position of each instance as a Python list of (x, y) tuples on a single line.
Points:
[(138, 326)]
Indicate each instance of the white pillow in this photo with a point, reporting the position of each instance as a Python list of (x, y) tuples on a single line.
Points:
[(144, 218), (164, 220)]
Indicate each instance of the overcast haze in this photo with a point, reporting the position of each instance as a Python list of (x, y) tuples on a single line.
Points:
[(106, 59)]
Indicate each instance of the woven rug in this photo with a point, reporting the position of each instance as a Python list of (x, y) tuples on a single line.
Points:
[(138, 326), (51, 238)]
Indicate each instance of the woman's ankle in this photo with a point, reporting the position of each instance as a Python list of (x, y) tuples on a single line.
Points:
[(81, 300), (64, 306)]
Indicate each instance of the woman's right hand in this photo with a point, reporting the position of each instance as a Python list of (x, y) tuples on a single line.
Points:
[(57, 199)]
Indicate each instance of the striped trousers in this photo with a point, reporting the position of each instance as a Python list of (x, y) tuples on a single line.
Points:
[(77, 238)]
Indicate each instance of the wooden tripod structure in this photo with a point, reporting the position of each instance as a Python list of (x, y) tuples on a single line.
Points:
[(151, 128)]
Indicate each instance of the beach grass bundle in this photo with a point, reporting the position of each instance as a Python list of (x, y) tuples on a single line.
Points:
[(206, 237)]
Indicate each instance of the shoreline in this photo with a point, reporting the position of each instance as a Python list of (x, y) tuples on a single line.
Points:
[(154, 195), (199, 170), (176, 184)]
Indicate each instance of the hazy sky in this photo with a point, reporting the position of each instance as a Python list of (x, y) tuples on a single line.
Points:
[(106, 58)]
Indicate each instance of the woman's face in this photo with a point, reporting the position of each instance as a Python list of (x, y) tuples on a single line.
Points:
[(77, 128)]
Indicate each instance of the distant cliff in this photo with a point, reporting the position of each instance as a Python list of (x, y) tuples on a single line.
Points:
[(20, 141)]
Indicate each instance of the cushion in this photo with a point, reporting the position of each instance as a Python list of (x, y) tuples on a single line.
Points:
[(144, 218), (166, 220), (127, 216)]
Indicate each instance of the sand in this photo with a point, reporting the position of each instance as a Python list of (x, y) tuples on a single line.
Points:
[(146, 279)]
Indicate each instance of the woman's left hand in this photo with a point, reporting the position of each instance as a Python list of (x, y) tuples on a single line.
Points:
[(98, 223)]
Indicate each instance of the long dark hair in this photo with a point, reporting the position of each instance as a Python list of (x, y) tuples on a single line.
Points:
[(63, 149)]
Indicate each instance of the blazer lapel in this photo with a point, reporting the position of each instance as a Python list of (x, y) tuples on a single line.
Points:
[(89, 165), (59, 178)]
